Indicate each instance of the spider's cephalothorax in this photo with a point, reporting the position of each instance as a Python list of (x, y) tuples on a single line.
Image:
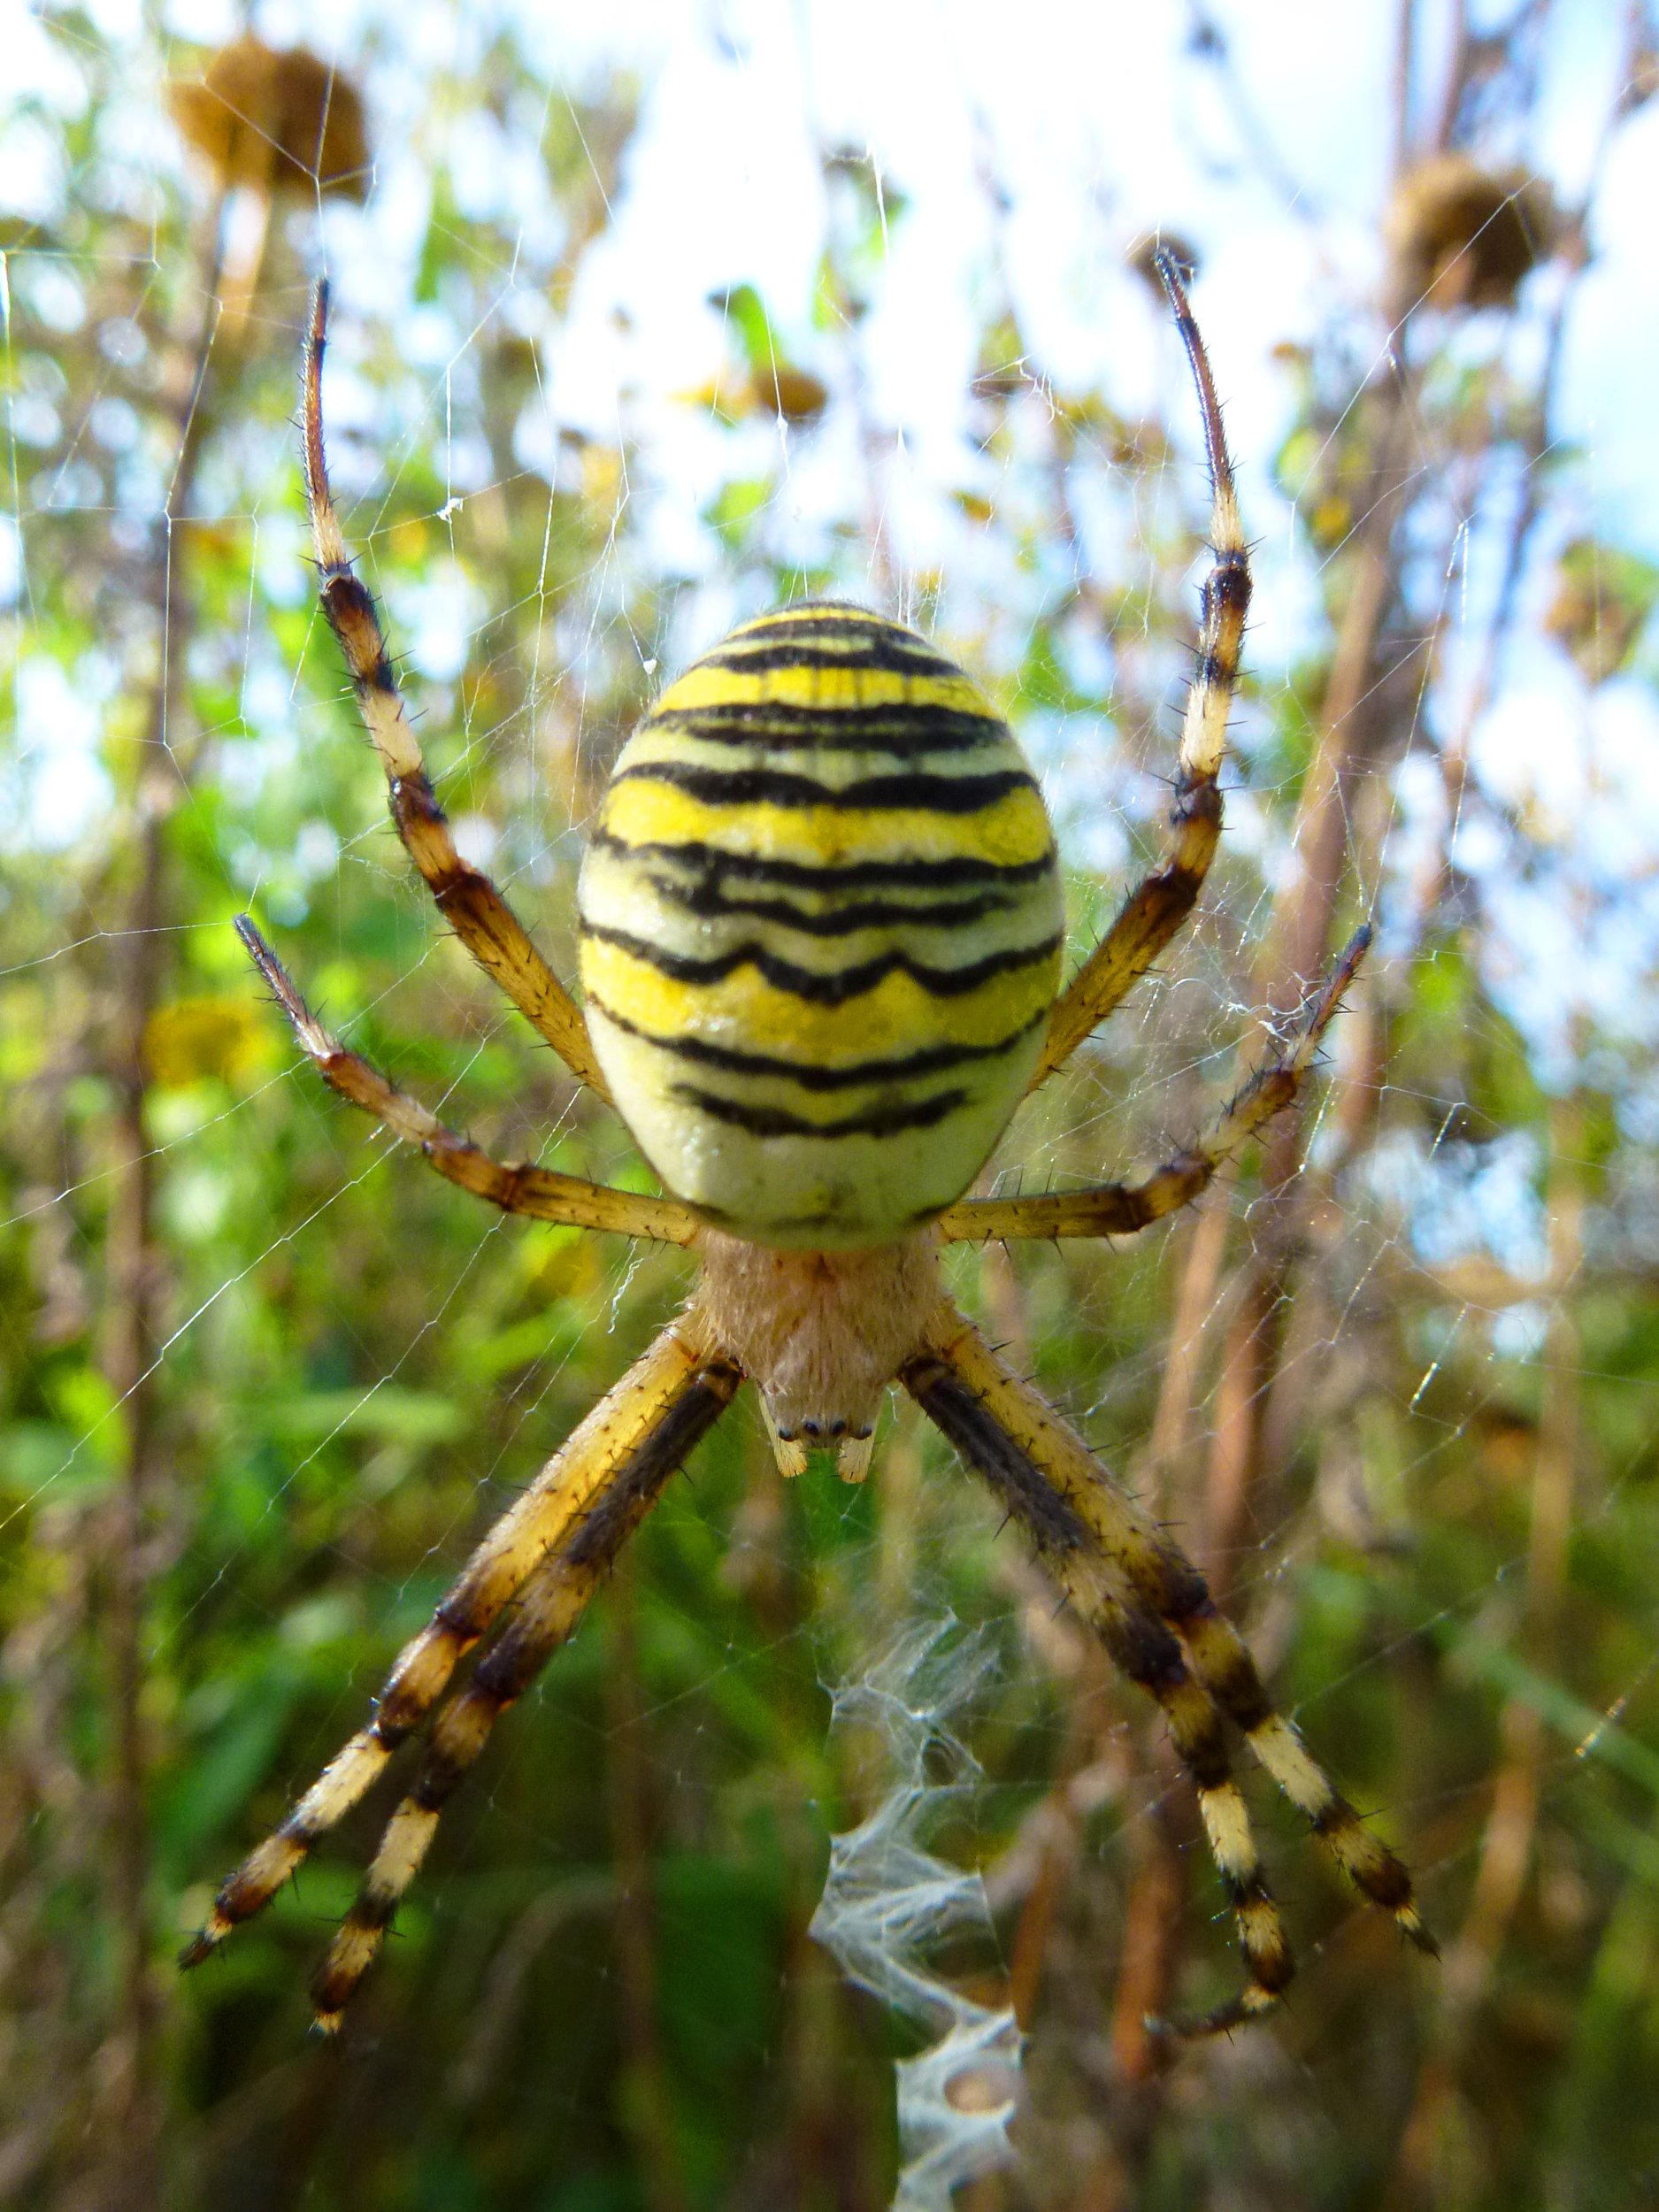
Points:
[(821, 928), (821, 941)]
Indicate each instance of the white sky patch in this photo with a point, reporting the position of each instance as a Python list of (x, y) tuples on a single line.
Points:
[(435, 618), (55, 788), (11, 560)]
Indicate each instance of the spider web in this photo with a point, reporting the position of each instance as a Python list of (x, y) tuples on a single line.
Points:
[(637, 330)]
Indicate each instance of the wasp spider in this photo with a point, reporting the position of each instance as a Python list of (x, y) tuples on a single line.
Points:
[(821, 945)]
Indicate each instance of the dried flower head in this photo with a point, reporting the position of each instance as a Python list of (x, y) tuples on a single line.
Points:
[(796, 394), (1603, 601), (277, 119), (1143, 258), (1465, 236)]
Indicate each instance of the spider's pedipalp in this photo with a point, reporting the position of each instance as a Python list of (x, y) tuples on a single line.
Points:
[(474, 909), (651, 1419), (792, 1458), (1157, 907), (1057, 1485), (1120, 1209), (854, 1457), (539, 1194), (549, 1607)]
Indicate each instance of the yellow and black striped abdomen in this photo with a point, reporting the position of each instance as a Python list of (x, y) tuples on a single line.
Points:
[(820, 930)]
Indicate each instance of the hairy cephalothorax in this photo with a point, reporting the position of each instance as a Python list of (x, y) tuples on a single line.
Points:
[(820, 955), (822, 1335)]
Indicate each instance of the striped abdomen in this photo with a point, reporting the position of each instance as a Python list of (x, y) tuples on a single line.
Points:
[(821, 926)]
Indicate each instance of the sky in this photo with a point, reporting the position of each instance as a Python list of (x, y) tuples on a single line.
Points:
[(1097, 122)]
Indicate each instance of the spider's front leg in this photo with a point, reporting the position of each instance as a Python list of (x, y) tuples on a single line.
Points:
[(1107, 1209), (628, 1446), (1158, 905), (474, 909), (1152, 1610)]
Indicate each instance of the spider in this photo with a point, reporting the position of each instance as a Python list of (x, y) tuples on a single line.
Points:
[(820, 945)]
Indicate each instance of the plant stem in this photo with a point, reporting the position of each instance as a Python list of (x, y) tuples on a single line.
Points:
[(133, 1263)]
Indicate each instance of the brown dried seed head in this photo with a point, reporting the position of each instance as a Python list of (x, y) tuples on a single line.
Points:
[(794, 393), (1465, 236), (1141, 258), (278, 118), (1603, 600)]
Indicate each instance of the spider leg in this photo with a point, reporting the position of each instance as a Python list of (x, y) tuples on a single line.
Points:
[(1157, 907), (1147, 1651), (651, 1418), (1120, 1209), (542, 1193), (474, 909), (956, 1364), (1221, 1660), (549, 1607)]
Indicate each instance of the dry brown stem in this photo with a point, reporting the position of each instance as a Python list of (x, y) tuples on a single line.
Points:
[(134, 1272), (647, 2112), (1506, 1848)]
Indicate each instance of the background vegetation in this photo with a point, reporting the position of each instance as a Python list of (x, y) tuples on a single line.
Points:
[(264, 1380)]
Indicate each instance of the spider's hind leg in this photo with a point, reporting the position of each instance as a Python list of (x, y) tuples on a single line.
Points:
[(1121, 1208), (638, 1433), (548, 1610), (1220, 1658), (1076, 1513), (1145, 1649)]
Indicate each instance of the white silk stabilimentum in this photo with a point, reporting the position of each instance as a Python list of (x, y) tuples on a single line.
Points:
[(887, 1901)]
